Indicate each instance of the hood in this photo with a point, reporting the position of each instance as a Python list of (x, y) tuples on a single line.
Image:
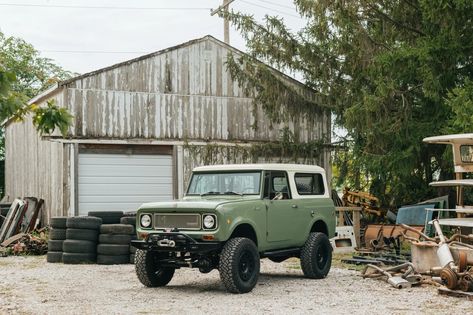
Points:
[(195, 203)]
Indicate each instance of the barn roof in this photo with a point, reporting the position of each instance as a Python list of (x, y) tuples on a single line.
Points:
[(55, 88)]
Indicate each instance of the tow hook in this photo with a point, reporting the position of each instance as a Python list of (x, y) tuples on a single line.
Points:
[(166, 243)]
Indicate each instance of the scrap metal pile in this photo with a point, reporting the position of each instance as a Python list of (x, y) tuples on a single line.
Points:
[(19, 228)]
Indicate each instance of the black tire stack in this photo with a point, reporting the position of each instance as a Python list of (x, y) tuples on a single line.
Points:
[(108, 217), (130, 218), (57, 235), (114, 244), (80, 246)]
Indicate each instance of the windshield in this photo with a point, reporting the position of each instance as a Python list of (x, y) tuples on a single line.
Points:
[(238, 183)]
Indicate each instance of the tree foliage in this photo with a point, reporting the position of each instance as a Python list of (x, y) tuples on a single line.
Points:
[(392, 71), (23, 75)]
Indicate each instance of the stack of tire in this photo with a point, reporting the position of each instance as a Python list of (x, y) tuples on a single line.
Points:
[(108, 217), (114, 244), (57, 235), (130, 218), (80, 246)]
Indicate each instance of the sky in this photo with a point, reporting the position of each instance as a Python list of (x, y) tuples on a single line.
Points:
[(86, 39)]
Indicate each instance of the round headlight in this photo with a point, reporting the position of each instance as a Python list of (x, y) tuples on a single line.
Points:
[(145, 220), (209, 221)]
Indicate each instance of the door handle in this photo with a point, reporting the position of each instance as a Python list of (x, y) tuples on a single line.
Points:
[(294, 206)]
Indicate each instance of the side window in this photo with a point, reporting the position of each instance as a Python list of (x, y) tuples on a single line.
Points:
[(277, 186), (309, 184)]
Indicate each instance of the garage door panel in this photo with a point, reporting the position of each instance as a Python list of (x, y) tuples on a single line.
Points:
[(135, 170), (121, 199), (122, 182), (124, 189), (126, 180)]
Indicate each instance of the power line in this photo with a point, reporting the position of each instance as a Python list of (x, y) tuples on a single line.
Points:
[(101, 7), (276, 4), (271, 9), (94, 52)]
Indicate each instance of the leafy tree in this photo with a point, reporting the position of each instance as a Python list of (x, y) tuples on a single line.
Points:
[(23, 75), (392, 72)]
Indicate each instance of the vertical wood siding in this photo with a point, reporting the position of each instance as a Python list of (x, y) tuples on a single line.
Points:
[(35, 168)]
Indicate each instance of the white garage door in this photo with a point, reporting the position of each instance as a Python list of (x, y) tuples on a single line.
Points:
[(122, 182)]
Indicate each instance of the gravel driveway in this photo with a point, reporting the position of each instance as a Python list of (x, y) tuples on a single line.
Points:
[(29, 285)]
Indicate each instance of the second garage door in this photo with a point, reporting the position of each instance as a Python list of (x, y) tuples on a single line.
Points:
[(122, 181)]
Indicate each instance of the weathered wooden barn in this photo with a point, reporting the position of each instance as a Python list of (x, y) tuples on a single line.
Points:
[(140, 127)]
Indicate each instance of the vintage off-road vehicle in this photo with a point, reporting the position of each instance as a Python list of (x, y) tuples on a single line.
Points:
[(233, 215)]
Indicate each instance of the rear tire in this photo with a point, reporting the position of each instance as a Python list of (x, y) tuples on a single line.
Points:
[(316, 256), (149, 271), (239, 265)]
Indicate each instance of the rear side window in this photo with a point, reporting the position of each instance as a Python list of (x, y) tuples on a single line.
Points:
[(309, 184)]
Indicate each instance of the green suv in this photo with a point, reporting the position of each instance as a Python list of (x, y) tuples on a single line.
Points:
[(234, 215)]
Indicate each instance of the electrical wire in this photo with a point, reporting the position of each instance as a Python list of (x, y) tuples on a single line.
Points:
[(277, 4), (100, 7), (271, 9), (93, 52)]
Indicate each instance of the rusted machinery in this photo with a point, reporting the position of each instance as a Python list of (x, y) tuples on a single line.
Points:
[(368, 202)]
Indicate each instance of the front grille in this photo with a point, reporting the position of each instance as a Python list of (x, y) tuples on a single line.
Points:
[(180, 221)]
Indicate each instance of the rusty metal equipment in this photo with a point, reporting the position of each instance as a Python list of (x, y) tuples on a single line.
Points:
[(368, 202), (395, 275)]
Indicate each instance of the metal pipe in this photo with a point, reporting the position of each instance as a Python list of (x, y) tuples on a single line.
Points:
[(407, 227)]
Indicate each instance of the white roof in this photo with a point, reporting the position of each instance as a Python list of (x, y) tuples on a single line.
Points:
[(453, 182), (466, 138), (259, 167)]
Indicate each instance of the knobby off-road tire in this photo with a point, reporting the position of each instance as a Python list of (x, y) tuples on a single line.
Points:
[(316, 256), (148, 270), (239, 265)]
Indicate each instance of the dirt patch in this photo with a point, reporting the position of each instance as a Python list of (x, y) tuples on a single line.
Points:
[(29, 285)]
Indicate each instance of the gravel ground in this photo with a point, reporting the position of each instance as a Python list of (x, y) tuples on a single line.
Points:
[(29, 285)]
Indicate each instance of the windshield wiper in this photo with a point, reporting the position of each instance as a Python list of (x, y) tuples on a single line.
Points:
[(210, 193), (232, 193)]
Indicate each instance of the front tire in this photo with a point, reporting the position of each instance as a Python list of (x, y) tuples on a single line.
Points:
[(149, 271), (316, 256), (239, 265)]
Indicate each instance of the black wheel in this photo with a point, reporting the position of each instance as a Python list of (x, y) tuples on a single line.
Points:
[(113, 249), (239, 265), (55, 245), (316, 256), (113, 259), (54, 257), (117, 229), (91, 223), (77, 246), (57, 234), (149, 271), (82, 234), (58, 222), (115, 239)]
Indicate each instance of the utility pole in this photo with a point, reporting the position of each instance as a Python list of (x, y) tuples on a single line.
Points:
[(226, 23)]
